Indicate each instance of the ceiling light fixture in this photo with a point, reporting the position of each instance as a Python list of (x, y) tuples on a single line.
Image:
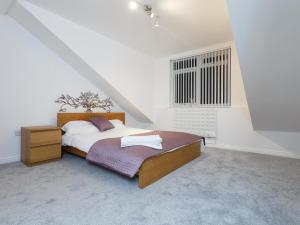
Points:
[(148, 9), (156, 23), (133, 5)]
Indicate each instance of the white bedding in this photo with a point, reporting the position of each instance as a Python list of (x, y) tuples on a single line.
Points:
[(85, 141)]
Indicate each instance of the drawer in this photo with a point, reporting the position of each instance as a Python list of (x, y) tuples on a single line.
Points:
[(45, 137), (47, 152)]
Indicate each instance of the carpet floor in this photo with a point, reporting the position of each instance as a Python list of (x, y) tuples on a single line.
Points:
[(220, 187)]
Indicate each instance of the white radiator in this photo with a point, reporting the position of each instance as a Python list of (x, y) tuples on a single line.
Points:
[(197, 121)]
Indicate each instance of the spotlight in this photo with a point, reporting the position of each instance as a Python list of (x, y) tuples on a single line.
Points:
[(133, 5), (156, 23)]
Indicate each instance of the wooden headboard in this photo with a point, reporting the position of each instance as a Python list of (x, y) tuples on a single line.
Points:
[(63, 118)]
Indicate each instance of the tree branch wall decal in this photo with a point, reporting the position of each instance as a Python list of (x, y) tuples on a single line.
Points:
[(87, 100)]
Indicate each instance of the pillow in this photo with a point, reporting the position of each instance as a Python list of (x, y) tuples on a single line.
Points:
[(117, 123), (78, 127), (102, 124), (76, 123)]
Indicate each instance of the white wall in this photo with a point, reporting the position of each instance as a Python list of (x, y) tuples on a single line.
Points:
[(124, 73), (31, 78), (235, 129), (267, 37)]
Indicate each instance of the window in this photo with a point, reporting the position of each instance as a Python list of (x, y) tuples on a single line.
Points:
[(203, 80)]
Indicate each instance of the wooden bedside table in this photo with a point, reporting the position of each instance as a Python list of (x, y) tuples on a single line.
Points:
[(40, 144)]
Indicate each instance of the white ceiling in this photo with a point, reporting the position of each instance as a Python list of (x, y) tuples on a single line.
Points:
[(185, 25)]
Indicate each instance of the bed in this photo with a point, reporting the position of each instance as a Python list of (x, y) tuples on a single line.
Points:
[(152, 169)]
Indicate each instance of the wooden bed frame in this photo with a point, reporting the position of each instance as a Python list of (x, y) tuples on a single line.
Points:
[(153, 168)]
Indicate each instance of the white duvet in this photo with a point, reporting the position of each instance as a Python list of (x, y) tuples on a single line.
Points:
[(84, 141)]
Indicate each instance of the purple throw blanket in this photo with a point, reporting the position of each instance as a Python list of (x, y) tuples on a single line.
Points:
[(127, 161)]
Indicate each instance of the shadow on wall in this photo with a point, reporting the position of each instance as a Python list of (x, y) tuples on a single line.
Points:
[(288, 140)]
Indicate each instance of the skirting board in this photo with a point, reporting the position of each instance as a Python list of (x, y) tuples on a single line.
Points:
[(272, 152), (16, 158), (9, 159)]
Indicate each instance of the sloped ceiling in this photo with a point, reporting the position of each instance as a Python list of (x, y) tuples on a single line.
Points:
[(267, 37), (185, 25), (65, 39), (4, 6)]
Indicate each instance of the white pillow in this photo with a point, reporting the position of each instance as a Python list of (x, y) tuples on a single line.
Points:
[(79, 127), (117, 123)]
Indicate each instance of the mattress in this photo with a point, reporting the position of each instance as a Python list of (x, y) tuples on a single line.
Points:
[(85, 141)]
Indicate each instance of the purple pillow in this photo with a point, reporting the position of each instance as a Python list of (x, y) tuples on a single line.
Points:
[(101, 123)]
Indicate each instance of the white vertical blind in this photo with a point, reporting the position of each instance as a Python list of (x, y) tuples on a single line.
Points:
[(203, 80)]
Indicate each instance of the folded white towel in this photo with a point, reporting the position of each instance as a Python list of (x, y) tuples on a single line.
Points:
[(149, 139), (159, 146), (152, 141)]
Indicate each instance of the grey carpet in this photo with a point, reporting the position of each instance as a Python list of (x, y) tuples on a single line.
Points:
[(221, 187)]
